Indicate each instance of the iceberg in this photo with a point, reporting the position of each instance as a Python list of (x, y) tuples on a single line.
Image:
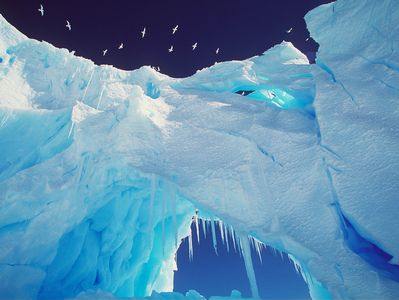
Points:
[(102, 170)]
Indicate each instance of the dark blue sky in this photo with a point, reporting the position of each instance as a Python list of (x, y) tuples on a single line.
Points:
[(240, 29), (212, 274)]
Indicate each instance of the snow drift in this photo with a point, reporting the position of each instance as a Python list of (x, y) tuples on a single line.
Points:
[(101, 170)]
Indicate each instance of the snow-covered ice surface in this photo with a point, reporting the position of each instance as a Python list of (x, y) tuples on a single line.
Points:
[(101, 170)]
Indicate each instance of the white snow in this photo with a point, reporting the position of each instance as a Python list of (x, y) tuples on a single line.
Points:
[(101, 170)]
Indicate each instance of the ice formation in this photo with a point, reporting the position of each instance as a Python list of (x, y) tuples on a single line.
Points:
[(101, 170)]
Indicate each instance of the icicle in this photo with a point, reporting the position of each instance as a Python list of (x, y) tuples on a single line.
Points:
[(214, 236), (233, 238), (197, 225), (258, 250), (246, 248), (204, 227), (221, 230), (101, 97), (251, 239), (87, 86), (239, 246), (226, 234), (190, 245), (152, 200)]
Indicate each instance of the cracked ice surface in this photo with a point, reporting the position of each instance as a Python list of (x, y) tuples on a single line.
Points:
[(360, 128), (101, 169), (365, 113)]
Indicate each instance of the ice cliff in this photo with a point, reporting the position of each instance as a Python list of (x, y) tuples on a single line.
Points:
[(101, 170)]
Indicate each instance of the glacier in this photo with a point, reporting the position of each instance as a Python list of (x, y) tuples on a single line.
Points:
[(102, 170)]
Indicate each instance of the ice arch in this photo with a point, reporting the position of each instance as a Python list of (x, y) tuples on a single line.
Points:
[(102, 169)]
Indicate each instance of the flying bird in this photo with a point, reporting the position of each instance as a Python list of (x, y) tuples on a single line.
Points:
[(194, 46), (170, 49), (120, 46), (217, 51), (143, 32), (289, 30), (174, 29), (105, 52), (68, 25), (41, 9)]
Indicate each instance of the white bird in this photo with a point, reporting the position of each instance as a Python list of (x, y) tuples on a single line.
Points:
[(307, 39), (105, 52), (194, 46), (174, 29), (289, 30), (41, 9), (68, 25), (217, 51), (73, 52), (120, 46), (143, 32), (170, 49), (158, 69)]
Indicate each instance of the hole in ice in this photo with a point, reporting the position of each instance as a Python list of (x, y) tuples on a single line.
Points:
[(1, 59), (243, 92), (200, 268), (284, 99)]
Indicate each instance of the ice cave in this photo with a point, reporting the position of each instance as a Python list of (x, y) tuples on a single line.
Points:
[(103, 171)]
